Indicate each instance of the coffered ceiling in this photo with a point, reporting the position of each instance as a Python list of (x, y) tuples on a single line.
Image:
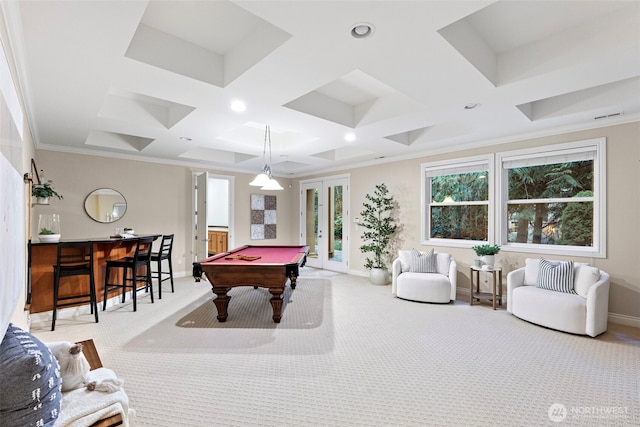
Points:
[(155, 80)]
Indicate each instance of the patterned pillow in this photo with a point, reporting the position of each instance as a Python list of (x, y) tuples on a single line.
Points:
[(424, 263), (30, 385), (556, 276)]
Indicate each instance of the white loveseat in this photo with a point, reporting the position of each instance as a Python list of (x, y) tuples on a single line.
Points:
[(438, 287), (584, 312)]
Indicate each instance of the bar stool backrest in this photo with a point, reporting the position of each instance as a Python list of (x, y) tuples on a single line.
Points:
[(143, 250), (74, 258), (166, 246)]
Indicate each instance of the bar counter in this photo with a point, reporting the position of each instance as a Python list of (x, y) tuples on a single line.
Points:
[(43, 256)]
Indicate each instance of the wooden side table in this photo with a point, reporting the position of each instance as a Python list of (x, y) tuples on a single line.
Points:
[(496, 279)]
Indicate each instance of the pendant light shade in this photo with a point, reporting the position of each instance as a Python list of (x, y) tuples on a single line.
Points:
[(264, 180), (272, 185), (261, 179)]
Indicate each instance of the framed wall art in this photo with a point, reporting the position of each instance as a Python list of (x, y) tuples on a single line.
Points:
[(263, 216)]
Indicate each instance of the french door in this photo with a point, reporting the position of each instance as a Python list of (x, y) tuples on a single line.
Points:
[(324, 210)]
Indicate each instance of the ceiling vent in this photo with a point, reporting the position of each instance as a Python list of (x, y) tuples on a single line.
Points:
[(609, 115)]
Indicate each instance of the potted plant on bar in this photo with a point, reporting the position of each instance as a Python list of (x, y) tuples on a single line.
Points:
[(42, 192), (487, 253), (379, 227), (49, 228)]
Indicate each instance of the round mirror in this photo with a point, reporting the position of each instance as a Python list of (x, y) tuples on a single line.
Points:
[(105, 205)]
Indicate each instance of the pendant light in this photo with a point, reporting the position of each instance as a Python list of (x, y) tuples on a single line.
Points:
[(264, 180)]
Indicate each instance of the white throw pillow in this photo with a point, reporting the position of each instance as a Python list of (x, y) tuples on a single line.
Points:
[(584, 276), (405, 260), (444, 261), (531, 271)]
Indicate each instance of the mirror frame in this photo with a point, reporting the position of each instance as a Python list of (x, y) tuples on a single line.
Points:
[(117, 204)]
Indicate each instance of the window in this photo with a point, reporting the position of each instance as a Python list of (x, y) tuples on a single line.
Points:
[(554, 199), (550, 200), (457, 208)]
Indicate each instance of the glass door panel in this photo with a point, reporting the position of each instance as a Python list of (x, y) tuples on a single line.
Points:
[(311, 234), (323, 212), (336, 213)]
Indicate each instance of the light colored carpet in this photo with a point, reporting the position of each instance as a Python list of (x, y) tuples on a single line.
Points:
[(349, 354)]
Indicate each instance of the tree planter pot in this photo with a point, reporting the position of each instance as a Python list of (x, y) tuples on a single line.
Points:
[(378, 276)]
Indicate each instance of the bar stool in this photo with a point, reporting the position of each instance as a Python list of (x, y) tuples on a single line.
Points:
[(141, 258), (164, 253), (74, 259)]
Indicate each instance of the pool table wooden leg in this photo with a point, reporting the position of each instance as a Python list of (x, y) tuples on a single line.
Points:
[(276, 303), (222, 302), (294, 280)]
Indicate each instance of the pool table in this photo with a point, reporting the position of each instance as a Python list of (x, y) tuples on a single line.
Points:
[(258, 266)]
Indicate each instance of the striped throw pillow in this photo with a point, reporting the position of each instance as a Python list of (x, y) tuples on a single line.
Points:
[(556, 276), (423, 263)]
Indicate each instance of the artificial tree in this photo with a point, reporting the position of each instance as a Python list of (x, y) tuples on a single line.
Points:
[(379, 227)]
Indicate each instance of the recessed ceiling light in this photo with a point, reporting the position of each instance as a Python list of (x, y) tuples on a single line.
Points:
[(238, 106), (362, 30), (185, 138), (471, 106), (350, 137)]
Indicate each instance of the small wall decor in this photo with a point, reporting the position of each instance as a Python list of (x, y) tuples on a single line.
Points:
[(40, 189), (263, 216)]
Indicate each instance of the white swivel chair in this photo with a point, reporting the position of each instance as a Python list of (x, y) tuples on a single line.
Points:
[(438, 287)]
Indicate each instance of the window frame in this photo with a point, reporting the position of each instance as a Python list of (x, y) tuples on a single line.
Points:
[(597, 145), (484, 162)]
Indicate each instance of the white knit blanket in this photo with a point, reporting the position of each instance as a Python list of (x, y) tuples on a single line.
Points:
[(82, 407)]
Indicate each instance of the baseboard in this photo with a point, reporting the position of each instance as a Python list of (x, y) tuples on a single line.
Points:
[(623, 319)]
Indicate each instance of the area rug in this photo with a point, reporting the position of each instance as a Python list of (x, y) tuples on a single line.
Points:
[(370, 360), (249, 325)]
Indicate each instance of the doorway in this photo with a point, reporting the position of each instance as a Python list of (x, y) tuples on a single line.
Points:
[(213, 214), (324, 210)]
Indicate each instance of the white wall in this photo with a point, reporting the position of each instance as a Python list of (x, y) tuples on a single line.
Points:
[(217, 202)]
